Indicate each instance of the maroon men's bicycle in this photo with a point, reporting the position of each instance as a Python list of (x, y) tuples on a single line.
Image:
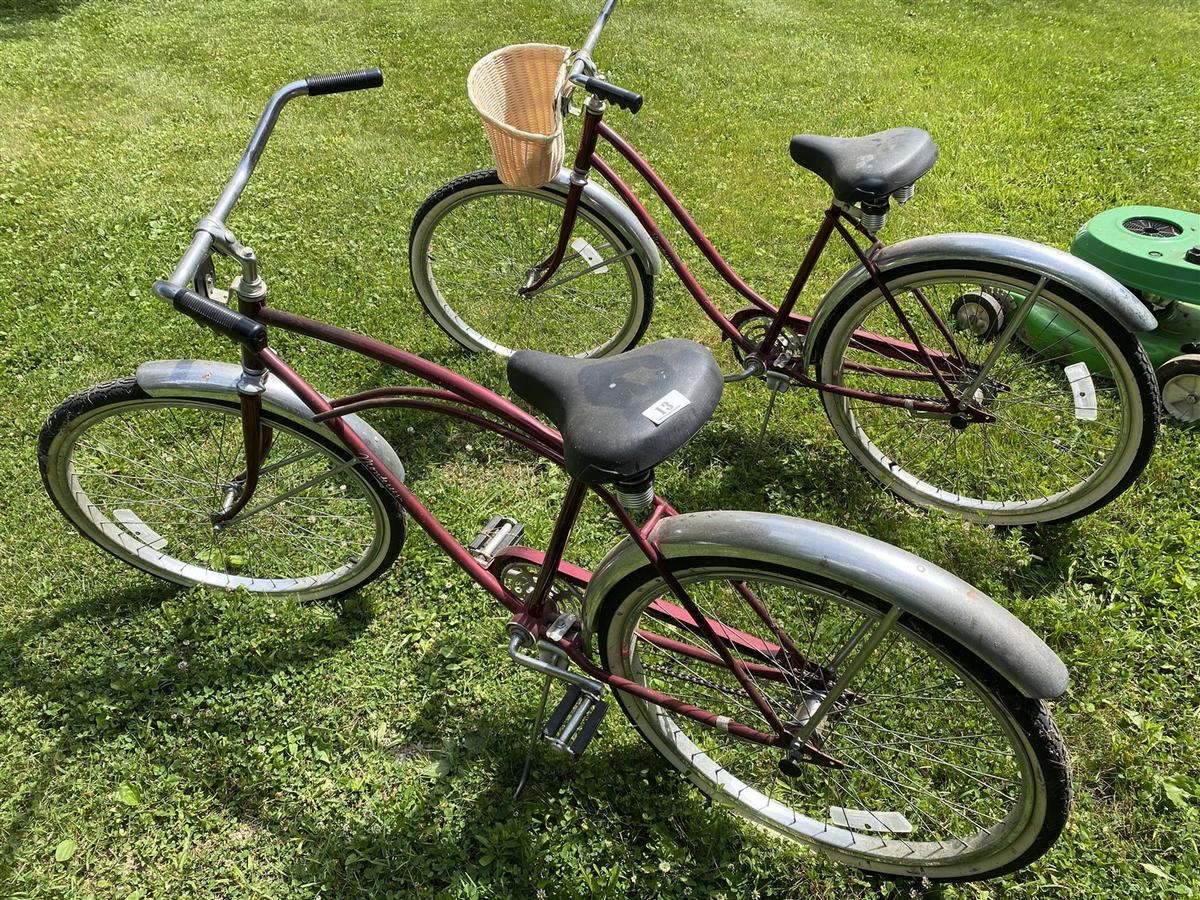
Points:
[(931, 355)]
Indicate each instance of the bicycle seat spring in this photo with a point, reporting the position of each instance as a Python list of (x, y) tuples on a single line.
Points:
[(637, 493)]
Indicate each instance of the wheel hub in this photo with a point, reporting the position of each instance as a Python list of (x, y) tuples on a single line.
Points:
[(1181, 397), (532, 274), (812, 751)]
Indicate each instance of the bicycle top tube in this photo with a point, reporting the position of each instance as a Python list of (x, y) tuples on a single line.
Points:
[(202, 241)]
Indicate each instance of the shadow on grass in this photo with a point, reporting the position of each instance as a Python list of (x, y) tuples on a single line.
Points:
[(496, 845), (17, 16), (507, 846), (94, 608), (753, 474), (148, 661), (190, 678)]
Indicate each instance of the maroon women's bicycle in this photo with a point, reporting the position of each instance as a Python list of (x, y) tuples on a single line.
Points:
[(834, 689), (933, 356)]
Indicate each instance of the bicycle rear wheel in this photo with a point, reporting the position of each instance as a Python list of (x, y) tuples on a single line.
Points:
[(949, 773), (1073, 395), (474, 244), (142, 476)]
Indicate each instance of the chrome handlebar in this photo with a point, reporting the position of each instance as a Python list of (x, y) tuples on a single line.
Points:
[(589, 43), (211, 229), (583, 65)]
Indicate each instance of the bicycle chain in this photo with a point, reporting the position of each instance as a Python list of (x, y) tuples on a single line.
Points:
[(694, 679)]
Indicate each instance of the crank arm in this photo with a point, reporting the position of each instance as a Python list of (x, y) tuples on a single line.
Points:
[(554, 667)]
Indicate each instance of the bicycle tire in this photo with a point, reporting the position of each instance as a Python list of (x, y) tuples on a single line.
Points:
[(991, 495), (487, 314), (1022, 836), (135, 526)]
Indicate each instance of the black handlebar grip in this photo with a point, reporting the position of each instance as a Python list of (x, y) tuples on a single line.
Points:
[(613, 94), (220, 318), (344, 81)]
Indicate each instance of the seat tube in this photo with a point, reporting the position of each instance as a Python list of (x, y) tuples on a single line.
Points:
[(820, 239), (593, 113), (568, 514)]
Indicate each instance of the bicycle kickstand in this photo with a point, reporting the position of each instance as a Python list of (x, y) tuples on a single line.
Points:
[(533, 737), (778, 383)]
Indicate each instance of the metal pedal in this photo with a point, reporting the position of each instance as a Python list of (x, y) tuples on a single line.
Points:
[(574, 721), (498, 534)]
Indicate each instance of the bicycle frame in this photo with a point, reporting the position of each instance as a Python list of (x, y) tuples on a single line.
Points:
[(450, 394), (940, 367), (453, 395)]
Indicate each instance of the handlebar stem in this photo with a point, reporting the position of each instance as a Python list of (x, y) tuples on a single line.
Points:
[(213, 234)]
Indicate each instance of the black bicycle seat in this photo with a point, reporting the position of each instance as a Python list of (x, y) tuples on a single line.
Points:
[(870, 167), (621, 416)]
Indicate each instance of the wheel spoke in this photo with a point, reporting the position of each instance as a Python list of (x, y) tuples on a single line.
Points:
[(483, 241), (1040, 459), (146, 477), (918, 739)]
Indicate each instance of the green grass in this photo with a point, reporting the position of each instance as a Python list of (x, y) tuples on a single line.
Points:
[(170, 743)]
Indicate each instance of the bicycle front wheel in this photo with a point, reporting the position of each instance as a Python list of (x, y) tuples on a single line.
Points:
[(476, 242), (142, 477), (1072, 392), (946, 772)]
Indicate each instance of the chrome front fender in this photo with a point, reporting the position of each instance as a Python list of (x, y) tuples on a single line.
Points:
[(605, 204), (1038, 259), (200, 379), (925, 591)]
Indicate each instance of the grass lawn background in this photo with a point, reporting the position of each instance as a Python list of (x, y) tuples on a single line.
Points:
[(169, 743)]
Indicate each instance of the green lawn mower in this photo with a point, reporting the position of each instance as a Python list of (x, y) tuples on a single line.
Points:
[(1155, 252)]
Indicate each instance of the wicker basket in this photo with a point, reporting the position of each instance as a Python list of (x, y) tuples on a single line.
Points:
[(516, 90)]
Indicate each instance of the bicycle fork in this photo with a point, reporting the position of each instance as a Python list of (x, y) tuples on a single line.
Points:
[(251, 292), (256, 439), (544, 270)]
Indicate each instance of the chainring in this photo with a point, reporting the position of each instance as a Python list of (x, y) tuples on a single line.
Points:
[(520, 577), (754, 329)]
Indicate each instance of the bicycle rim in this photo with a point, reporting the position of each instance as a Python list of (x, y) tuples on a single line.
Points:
[(941, 777), (474, 249), (142, 477), (1074, 423)]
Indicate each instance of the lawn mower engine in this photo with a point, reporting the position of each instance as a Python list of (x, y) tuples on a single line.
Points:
[(1155, 252)]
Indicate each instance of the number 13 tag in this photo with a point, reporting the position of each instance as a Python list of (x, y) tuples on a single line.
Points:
[(666, 407)]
